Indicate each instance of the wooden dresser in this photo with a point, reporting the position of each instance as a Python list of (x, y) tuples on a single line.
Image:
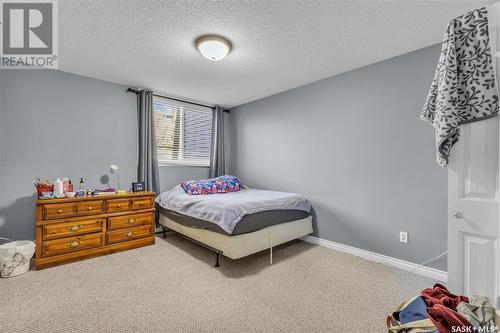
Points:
[(72, 229)]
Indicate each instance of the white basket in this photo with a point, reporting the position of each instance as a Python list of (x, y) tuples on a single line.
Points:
[(15, 257)]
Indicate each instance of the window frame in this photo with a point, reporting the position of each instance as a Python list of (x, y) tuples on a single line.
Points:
[(183, 162)]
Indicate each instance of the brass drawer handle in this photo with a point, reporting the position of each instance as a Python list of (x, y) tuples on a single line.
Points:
[(74, 244), (140, 203), (59, 211), (119, 205), (75, 227), (130, 234), (90, 208), (131, 221)]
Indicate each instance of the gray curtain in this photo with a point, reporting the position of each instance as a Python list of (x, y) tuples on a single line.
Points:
[(217, 155), (148, 158)]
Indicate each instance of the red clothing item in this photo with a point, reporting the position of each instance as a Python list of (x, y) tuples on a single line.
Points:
[(448, 320), (440, 295)]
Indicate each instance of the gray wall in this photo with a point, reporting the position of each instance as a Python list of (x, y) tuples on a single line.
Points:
[(354, 145), (58, 124)]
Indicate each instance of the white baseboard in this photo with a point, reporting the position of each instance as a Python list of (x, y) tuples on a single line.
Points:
[(380, 258)]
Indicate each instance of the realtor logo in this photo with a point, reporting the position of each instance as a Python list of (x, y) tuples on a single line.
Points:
[(29, 34)]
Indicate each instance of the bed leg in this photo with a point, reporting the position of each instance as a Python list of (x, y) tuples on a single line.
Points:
[(270, 249), (216, 259), (163, 232)]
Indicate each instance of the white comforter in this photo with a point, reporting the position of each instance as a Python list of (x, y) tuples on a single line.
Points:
[(227, 209)]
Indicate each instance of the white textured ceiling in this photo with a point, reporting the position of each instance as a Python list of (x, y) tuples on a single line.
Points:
[(278, 45)]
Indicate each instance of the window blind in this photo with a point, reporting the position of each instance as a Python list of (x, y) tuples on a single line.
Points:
[(183, 132)]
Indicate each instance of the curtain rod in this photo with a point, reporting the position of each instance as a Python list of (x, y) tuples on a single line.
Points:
[(137, 90)]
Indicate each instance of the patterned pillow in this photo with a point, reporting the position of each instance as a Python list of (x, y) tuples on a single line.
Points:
[(222, 184)]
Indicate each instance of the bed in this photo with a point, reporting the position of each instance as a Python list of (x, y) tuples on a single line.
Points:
[(236, 224)]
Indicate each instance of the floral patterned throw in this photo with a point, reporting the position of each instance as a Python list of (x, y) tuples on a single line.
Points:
[(464, 87), (222, 184)]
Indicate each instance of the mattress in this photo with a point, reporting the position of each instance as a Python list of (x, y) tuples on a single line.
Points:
[(248, 223), (227, 209)]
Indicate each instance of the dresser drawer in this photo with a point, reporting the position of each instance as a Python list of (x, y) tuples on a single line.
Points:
[(130, 221), (71, 244), (142, 202), (67, 229), (90, 207), (129, 233), (57, 211), (117, 205)]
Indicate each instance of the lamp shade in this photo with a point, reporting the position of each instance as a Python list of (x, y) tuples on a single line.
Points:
[(114, 168)]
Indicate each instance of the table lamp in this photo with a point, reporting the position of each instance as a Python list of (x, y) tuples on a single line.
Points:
[(114, 170)]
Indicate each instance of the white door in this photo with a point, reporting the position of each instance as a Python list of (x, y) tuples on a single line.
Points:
[(473, 199), (474, 211)]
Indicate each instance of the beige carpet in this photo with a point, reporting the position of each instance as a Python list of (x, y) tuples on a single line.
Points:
[(172, 287)]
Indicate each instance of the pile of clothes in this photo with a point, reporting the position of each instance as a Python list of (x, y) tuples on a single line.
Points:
[(436, 310)]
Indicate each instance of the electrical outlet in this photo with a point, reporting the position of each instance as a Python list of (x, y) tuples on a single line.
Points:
[(403, 237)]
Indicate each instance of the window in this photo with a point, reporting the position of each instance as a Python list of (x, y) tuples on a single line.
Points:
[(183, 132)]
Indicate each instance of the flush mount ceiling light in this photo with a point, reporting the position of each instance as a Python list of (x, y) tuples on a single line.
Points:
[(213, 47)]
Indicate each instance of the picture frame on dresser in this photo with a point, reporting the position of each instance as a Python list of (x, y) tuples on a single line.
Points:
[(138, 187), (73, 229)]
